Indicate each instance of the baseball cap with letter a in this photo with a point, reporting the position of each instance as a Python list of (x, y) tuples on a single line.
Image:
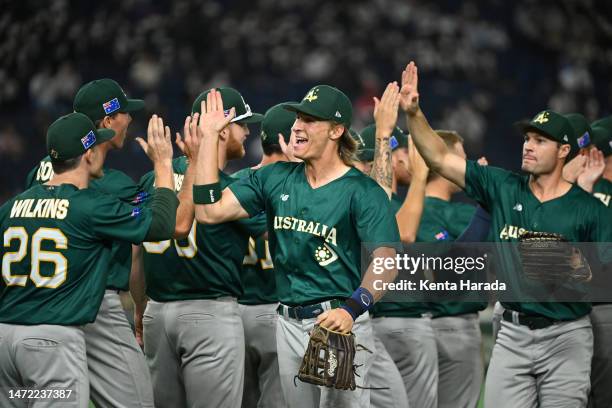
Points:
[(72, 135), (231, 99), (554, 126), (103, 97), (325, 102)]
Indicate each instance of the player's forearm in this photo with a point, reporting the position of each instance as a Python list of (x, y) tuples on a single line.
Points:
[(207, 167), (382, 169), (409, 215), (163, 220), (431, 146), (164, 177), (186, 210), (372, 280), (137, 280)]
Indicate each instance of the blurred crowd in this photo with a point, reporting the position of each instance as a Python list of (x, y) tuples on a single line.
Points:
[(483, 64)]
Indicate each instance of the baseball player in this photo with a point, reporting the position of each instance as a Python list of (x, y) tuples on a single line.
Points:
[(543, 350), (388, 388), (56, 255), (259, 300), (193, 332), (117, 368), (318, 213)]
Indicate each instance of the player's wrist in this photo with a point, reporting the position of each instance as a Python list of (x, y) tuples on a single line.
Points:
[(360, 302), (206, 193)]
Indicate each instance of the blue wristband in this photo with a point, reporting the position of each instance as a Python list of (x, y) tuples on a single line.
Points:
[(360, 302)]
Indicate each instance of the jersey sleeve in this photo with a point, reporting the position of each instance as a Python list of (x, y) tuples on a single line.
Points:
[(112, 219), (250, 190), (482, 182), (374, 217)]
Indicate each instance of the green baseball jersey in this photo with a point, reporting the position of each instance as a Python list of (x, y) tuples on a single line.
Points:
[(57, 249), (514, 209), (603, 190), (316, 234), (257, 275), (205, 265), (119, 185), (445, 221)]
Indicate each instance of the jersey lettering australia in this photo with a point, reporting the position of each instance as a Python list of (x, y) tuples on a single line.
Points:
[(315, 235)]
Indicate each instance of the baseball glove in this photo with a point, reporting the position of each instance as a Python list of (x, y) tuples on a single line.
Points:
[(329, 359), (550, 258)]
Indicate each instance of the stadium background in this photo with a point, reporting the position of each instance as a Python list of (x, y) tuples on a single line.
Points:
[(483, 64)]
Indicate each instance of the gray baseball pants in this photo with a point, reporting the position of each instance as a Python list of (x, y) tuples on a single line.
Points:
[(460, 365), (195, 351), (262, 387), (412, 346), (384, 374), (542, 368), (292, 338), (118, 372), (43, 357)]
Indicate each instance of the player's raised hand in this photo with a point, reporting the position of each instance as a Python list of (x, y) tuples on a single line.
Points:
[(158, 146), (190, 144), (213, 118), (336, 319), (593, 169), (574, 168), (409, 93), (288, 148), (385, 109)]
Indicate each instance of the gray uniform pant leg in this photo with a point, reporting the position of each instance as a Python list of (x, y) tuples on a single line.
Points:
[(206, 338), (43, 357), (601, 375), (460, 366), (498, 311), (543, 368), (412, 346), (384, 374), (118, 372), (261, 378), (292, 340)]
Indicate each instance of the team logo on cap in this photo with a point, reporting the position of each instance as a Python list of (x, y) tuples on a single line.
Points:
[(584, 140), (541, 118), (312, 95), (88, 140), (111, 106)]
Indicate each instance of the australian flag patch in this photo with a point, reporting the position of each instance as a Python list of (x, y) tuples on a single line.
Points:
[(140, 197), (111, 106), (136, 212), (88, 140), (584, 140), (441, 236), (393, 142)]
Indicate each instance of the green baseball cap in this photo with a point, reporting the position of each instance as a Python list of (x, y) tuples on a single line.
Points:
[(552, 125), (602, 135), (276, 120), (326, 103), (231, 99), (397, 139), (103, 97), (582, 130), (72, 135)]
